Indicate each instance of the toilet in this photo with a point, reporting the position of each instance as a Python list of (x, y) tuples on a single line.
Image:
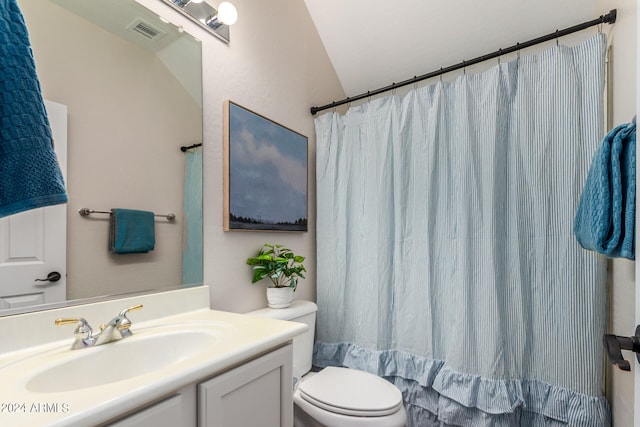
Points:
[(335, 397)]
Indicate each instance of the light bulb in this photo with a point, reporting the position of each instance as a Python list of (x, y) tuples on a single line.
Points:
[(196, 1), (227, 13)]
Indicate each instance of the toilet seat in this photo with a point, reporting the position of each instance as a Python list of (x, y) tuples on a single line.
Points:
[(351, 392)]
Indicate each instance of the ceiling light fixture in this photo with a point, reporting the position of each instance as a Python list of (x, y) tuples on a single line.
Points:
[(216, 21)]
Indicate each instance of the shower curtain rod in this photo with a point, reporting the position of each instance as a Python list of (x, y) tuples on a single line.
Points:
[(184, 149), (609, 18)]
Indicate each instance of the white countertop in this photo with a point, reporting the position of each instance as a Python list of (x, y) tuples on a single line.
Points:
[(241, 338)]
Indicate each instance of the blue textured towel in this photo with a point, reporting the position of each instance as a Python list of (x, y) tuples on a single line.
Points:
[(131, 231), (605, 220), (29, 173)]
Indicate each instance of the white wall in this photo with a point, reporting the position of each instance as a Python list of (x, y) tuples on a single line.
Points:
[(623, 39), (276, 66)]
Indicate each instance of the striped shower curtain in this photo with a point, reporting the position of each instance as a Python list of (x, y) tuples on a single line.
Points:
[(446, 260), (192, 261)]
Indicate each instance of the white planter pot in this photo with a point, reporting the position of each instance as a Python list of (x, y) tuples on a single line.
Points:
[(279, 297)]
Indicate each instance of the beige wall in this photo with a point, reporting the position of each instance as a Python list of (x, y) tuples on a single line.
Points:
[(622, 107), (120, 152), (275, 65)]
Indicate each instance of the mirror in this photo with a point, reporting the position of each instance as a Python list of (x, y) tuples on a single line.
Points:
[(132, 86)]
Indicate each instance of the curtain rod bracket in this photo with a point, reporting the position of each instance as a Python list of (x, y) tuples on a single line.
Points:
[(610, 18)]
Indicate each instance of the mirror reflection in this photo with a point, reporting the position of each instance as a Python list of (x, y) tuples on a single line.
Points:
[(123, 93)]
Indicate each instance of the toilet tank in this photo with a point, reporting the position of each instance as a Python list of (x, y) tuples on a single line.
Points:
[(302, 312)]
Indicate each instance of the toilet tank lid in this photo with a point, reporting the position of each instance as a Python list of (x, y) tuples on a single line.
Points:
[(295, 310)]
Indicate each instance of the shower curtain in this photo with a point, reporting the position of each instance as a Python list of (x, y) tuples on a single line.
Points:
[(446, 260), (192, 231)]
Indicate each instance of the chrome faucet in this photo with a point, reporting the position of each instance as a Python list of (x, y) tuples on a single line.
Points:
[(83, 333), (117, 329)]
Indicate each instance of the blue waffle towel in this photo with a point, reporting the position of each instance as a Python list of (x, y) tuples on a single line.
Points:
[(605, 220), (29, 173), (131, 231)]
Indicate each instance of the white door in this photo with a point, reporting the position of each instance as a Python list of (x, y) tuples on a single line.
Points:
[(33, 243)]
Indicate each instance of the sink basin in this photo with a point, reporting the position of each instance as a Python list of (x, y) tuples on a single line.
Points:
[(145, 352)]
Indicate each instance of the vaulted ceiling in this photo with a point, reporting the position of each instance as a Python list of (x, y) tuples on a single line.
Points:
[(372, 43)]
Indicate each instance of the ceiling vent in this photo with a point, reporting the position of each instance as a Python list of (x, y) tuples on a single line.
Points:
[(145, 29)]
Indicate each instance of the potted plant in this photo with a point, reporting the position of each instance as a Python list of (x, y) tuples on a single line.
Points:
[(283, 268)]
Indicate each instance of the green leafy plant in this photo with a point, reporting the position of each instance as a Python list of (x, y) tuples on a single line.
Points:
[(279, 264)]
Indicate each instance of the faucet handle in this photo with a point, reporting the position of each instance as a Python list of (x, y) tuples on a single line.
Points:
[(122, 321), (82, 331), (134, 308)]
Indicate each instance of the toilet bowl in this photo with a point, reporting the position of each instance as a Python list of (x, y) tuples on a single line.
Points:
[(335, 396), (343, 397)]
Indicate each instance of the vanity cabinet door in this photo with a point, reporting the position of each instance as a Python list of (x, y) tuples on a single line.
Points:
[(257, 393), (178, 410)]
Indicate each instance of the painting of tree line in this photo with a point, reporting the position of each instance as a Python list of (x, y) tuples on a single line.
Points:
[(265, 173)]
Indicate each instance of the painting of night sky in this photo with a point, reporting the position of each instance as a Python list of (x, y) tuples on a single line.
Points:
[(267, 173)]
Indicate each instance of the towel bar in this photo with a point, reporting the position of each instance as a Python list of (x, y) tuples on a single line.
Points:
[(87, 212)]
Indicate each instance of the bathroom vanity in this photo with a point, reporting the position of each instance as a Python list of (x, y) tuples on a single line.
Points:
[(256, 393), (184, 365)]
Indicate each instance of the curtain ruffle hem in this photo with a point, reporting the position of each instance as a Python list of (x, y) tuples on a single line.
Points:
[(436, 395)]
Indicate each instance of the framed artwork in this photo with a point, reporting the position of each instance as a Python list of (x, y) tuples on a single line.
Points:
[(265, 173)]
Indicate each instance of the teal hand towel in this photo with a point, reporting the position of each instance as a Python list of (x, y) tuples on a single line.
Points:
[(131, 231), (30, 176), (605, 219)]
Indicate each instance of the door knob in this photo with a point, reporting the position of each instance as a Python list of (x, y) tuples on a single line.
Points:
[(54, 276), (614, 345)]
